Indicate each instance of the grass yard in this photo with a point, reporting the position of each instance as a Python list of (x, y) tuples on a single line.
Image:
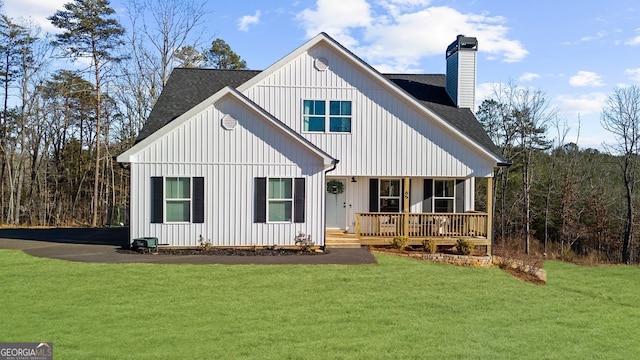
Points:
[(399, 309)]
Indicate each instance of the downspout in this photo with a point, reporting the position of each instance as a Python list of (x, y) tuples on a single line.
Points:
[(324, 206)]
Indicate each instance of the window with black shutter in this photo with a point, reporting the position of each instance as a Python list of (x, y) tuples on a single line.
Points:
[(279, 200), (177, 199)]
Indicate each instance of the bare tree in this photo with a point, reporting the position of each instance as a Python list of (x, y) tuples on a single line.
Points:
[(518, 118), (532, 113), (621, 117), (22, 58), (168, 25), (562, 129)]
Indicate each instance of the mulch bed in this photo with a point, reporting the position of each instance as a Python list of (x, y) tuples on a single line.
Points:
[(217, 251)]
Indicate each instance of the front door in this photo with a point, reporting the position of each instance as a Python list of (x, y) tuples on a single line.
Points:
[(336, 203)]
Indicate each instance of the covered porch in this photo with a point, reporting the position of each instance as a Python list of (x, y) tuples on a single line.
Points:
[(444, 229), (381, 227)]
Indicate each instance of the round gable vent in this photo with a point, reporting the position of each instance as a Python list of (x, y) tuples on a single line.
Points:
[(321, 63), (229, 122)]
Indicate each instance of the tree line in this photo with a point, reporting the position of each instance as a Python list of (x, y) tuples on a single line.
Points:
[(73, 101), (557, 198)]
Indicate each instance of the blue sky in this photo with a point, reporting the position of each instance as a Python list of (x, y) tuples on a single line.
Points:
[(577, 52)]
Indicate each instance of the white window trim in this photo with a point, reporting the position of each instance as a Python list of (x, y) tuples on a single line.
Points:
[(436, 197), (167, 200), (381, 197), (327, 118), (268, 199)]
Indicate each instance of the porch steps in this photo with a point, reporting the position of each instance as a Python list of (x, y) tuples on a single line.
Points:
[(341, 240), (342, 244)]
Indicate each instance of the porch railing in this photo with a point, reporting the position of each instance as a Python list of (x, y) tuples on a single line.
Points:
[(421, 225)]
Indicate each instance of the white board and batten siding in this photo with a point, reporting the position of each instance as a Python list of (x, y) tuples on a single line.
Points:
[(229, 161), (389, 135), (461, 78)]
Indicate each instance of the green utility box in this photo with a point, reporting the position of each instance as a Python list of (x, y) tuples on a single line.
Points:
[(147, 243)]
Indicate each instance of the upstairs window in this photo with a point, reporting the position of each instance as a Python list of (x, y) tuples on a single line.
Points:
[(340, 116), (316, 119), (314, 115)]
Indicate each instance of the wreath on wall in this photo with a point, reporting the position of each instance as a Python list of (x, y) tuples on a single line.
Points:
[(335, 187)]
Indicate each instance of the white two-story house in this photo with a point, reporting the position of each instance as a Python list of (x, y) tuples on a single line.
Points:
[(319, 141)]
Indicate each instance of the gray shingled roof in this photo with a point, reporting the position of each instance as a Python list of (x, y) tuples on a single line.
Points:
[(429, 90), (187, 88)]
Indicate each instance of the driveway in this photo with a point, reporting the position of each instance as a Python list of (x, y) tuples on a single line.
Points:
[(101, 245)]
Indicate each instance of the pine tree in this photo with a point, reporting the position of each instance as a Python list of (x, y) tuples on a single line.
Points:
[(220, 56), (90, 31)]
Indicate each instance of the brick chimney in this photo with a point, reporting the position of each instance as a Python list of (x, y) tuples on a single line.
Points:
[(461, 71)]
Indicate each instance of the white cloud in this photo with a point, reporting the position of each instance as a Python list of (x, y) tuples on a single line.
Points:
[(397, 33), (634, 41), (396, 7), (34, 11), (586, 78), (599, 35), (486, 90), (528, 76), (248, 20), (582, 104), (634, 74), (336, 18)]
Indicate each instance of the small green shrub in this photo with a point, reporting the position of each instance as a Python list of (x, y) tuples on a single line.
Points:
[(464, 247), (303, 242), (399, 242), (430, 246)]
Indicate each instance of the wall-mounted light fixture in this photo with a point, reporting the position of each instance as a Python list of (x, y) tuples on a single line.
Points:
[(353, 179)]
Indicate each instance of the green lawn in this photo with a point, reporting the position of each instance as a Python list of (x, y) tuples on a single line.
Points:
[(399, 309)]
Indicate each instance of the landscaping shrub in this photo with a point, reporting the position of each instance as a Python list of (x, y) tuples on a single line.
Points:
[(303, 241), (464, 247), (204, 245), (430, 246), (399, 242)]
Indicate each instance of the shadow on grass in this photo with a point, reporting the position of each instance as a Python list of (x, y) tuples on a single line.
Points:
[(96, 236)]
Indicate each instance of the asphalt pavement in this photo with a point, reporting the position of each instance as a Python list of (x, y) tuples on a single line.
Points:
[(101, 245)]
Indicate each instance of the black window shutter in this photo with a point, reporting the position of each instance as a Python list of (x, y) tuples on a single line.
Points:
[(198, 200), (428, 196), (373, 195), (260, 200), (298, 200), (459, 196), (157, 200)]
